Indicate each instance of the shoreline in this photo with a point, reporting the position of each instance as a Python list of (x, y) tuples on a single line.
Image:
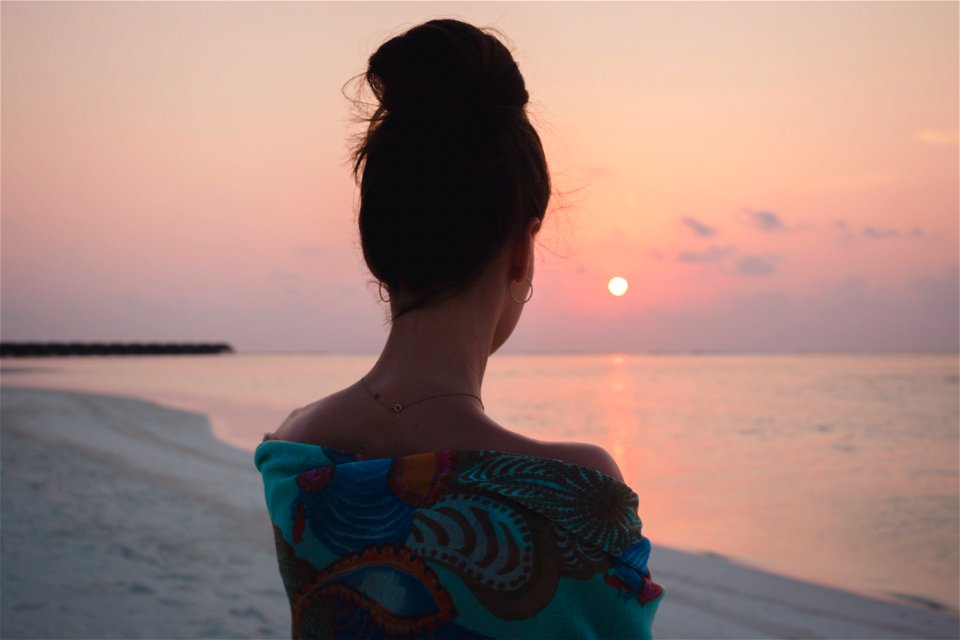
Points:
[(115, 504), (122, 518)]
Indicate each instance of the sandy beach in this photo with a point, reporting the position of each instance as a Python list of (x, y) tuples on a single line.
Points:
[(122, 518)]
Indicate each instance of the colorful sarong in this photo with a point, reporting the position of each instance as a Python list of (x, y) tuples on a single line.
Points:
[(455, 544)]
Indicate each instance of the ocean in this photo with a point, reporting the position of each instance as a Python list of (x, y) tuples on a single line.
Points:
[(842, 470)]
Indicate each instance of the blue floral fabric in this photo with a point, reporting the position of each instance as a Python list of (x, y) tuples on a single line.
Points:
[(455, 544)]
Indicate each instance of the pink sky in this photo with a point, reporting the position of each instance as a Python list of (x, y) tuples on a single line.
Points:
[(768, 176)]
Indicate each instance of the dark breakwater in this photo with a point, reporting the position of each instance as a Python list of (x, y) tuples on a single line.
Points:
[(60, 349)]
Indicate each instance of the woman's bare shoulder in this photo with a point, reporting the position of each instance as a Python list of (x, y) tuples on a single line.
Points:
[(312, 423), (587, 455), (338, 420), (288, 429)]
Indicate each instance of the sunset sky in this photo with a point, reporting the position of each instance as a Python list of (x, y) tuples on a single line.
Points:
[(767, 176)]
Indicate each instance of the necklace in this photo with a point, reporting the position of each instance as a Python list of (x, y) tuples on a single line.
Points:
[(397, 408)]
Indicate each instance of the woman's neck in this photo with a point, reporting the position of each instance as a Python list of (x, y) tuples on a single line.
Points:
[(439, 349)]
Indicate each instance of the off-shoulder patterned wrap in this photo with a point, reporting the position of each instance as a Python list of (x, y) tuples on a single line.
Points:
[(455, 544)]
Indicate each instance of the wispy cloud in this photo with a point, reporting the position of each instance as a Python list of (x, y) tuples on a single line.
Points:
[(755, 266), (713, 255), (848, 235), (765, 220), (702, 230), (939, 137), (728, 260), (878, 233), (873, 232)]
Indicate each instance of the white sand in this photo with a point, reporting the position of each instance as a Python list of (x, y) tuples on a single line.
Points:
[(121, 518)]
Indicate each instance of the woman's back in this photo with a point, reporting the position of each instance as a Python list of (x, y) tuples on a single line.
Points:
[(437, 522), (455, 543)]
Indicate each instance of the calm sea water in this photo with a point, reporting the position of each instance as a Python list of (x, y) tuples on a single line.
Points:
[(841, 470)]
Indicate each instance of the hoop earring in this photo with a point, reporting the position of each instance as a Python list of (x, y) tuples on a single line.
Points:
[(383, 298), (527, 297)]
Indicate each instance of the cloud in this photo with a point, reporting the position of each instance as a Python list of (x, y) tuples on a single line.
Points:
[(873, 232), (755, 266), (766, 220), (877, 233), (746, 265), (699, 228), (939, 137), (848, 235), (846, 232), (713, 255)]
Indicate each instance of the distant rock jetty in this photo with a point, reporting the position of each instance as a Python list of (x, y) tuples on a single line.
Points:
[(58, 349)]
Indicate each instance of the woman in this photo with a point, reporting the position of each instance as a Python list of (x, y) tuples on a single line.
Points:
[(399, 507)]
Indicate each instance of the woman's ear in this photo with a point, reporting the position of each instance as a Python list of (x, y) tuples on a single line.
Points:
[(523, 251)]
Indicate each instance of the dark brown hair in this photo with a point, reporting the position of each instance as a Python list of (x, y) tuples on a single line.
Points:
[(450, 169)]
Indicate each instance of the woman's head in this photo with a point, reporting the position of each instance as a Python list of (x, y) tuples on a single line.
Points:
[(450, 169)]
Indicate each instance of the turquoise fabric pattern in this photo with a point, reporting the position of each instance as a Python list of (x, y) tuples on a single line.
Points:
[(455, 544)]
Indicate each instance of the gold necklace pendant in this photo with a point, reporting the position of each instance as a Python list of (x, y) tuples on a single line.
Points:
[(397, 408)]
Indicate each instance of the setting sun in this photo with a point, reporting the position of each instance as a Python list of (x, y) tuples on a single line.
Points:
[(618, 286)]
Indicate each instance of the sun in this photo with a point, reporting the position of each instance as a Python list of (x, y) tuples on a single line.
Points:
[(618, 286)]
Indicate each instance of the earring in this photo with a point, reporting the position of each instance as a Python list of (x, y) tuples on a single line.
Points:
[(383, 298), (527, 297)]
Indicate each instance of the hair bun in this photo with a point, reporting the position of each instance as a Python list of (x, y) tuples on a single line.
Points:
[(441, 70), (450, 169)]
